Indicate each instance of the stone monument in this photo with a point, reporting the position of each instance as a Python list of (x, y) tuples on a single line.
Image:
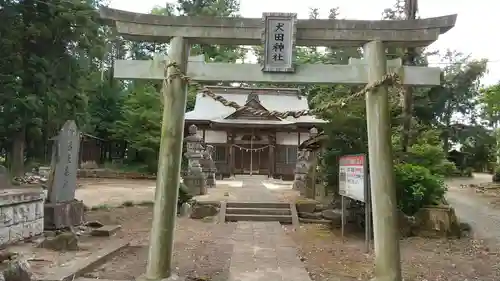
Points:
[(61, 208), (194, 179)]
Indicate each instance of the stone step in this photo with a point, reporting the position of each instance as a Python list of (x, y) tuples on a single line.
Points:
[(241, 217), (270, 205), (315, 221), (259, 211)]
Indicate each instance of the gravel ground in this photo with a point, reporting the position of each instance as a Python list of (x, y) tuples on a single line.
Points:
[(476, 209), (477, 257), (327, 255), (202, 250), (114, 192)]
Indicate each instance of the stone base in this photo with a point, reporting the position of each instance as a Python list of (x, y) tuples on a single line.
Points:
[(173, 277), (63, 215), (196, 184), (437, 222)]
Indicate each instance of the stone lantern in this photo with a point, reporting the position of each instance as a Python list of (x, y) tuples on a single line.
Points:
[(194, 178)]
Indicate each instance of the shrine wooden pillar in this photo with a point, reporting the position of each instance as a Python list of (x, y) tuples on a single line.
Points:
[(231, 136), (272, 162)]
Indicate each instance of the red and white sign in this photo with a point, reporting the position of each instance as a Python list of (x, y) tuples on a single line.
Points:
[(352, 177)]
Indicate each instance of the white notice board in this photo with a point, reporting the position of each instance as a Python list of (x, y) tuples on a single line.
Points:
[(352, 177)]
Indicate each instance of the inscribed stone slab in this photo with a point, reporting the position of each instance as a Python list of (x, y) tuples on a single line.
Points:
[(66, 159)]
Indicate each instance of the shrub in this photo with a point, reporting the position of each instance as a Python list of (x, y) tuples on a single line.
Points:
[(184, 195), (416, 187), (468, 172), (445, 168), (490, 167), (496, 175)]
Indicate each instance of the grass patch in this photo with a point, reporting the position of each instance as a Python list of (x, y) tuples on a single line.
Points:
[(125, 204), (101, 207), (145, 203), (128, 204)]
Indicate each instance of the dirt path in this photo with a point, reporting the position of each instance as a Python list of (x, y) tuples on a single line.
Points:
[(475, 210)]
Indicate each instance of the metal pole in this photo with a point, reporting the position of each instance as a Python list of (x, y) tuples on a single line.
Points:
[(368, 223), (342, 207), (169, 165), (383, 191)]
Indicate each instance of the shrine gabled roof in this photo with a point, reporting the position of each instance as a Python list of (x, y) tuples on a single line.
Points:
[(252, 122), (207, 109)]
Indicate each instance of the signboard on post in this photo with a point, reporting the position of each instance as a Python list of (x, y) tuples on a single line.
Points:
[(354, 184), (352, 179), (278, 37)]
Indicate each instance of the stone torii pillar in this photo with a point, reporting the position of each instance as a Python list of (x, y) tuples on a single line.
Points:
[(174, 94), (383, 192), (279, 67)]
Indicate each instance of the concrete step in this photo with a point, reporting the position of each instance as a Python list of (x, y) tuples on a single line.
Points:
[(241, 217), (270, 205), (259, 211)]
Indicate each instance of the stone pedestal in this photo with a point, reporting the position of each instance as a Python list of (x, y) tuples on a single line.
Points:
[(195, 184), (64, 214)]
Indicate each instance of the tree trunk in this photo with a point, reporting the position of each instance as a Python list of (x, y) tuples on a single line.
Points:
[(446, 131), (407, 118), (497, 138), (18, 145), (411, 8)]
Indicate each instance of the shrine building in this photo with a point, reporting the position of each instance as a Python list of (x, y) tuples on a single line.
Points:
[(249, 144)]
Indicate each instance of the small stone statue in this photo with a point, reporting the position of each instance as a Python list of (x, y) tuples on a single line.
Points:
[(185, 210), (194, 178), (211, 169)]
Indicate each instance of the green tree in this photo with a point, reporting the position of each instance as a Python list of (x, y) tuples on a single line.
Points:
[(46, 46), (140, 122), (490, 106), (457, 94)]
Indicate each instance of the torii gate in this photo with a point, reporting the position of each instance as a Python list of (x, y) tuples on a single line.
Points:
[(280, 33)]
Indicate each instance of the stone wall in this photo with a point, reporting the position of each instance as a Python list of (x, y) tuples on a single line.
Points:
[(21, 214)]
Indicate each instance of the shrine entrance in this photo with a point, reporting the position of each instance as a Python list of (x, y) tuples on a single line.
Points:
[(251, 155), (280, 34)]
